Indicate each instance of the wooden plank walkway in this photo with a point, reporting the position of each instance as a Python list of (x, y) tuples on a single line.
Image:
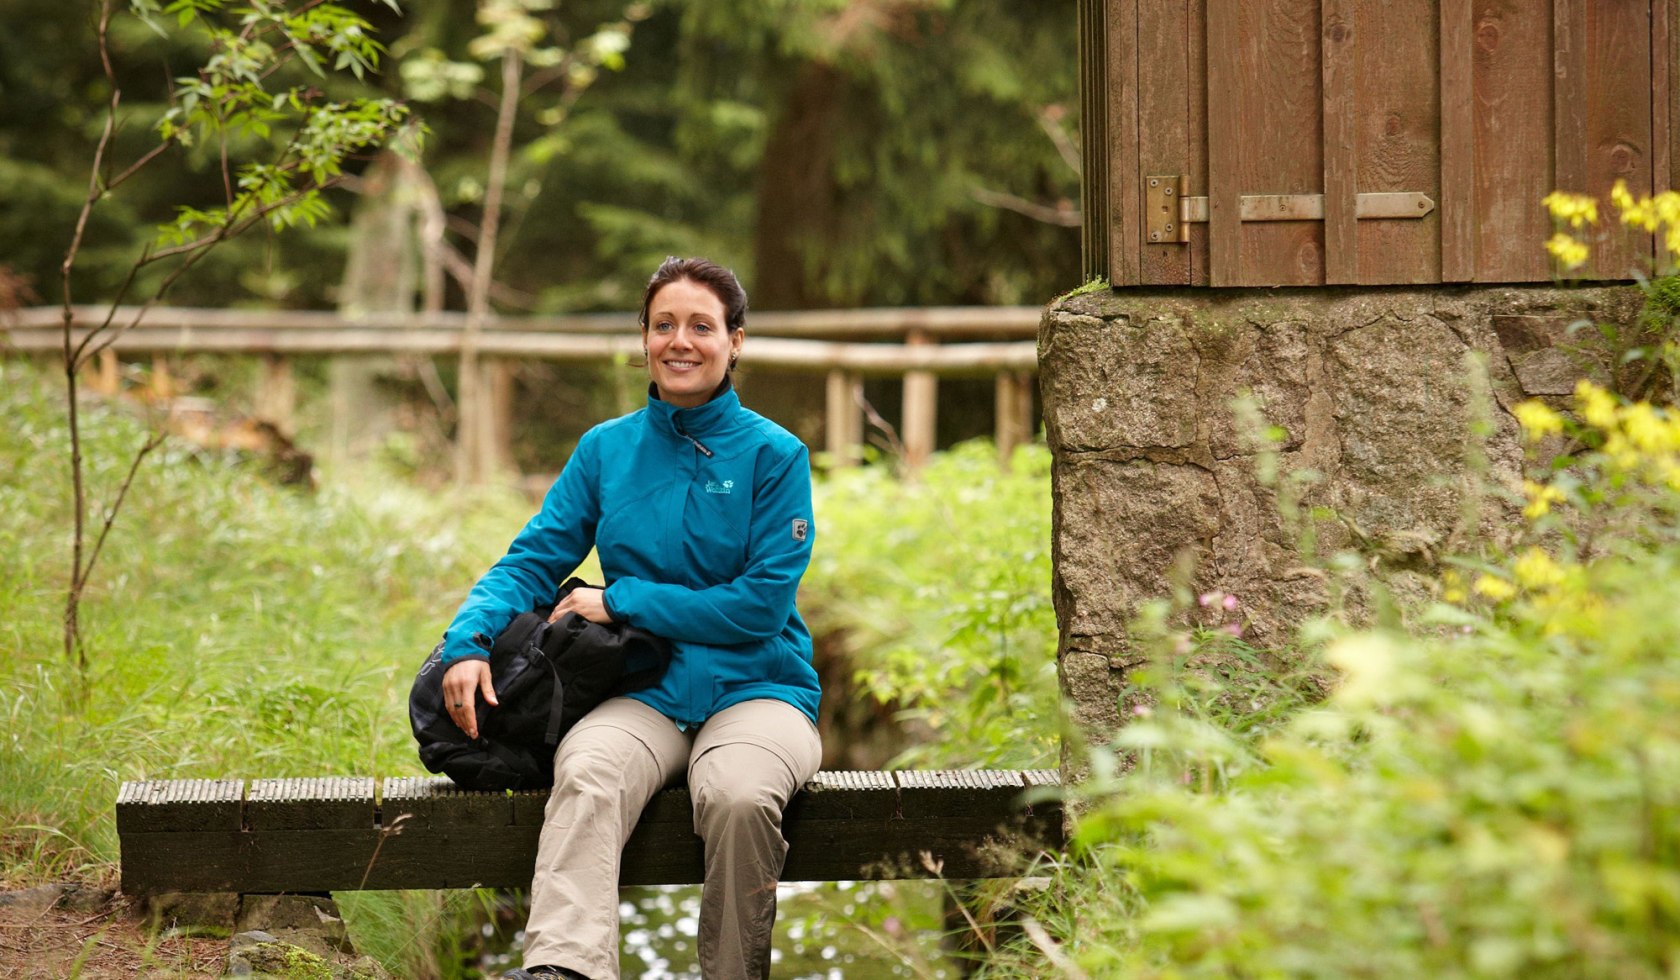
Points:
[(348, 833)]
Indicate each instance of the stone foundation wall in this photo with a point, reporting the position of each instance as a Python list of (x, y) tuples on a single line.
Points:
[(1375, 392)]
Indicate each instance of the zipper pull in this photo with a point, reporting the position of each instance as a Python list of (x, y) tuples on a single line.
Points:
[(697, 443)]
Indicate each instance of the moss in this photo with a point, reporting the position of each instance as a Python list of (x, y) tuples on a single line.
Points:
[(1089, 286), (285, 960)]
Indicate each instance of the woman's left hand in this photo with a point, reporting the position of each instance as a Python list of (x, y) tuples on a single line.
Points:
[(587, 603)]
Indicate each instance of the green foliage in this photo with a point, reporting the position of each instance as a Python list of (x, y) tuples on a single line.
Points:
[(940, 586), (1484, 793), (241, 629), (626, 148), (233, 101)]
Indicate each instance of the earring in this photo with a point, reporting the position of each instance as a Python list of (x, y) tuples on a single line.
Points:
[(733, 358)]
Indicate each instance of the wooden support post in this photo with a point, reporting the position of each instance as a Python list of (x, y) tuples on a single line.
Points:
[(163, 383), (108, 376), (276, 398), (1014, 412), (921, 408), (844, 417), (495, 441)]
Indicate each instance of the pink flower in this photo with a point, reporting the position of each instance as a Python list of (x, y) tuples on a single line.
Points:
[(1207, 599), (1229, 602), (1141, 710), (1235, 629)]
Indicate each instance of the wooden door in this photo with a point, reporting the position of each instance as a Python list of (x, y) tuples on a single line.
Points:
[(1282, 142)]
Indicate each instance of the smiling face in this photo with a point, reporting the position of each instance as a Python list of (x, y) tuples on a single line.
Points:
[(688, 345)]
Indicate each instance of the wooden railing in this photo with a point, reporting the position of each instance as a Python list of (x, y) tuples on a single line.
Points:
[(918, 344)]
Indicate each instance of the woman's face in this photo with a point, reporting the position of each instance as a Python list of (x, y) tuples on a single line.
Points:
[(688, 345)]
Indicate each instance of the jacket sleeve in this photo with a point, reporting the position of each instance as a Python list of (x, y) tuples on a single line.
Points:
[(756, 605), (550, 547)]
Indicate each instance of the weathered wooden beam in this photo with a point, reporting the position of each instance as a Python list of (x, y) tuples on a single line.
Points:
[(843, 417), (977, 358), (342, 834), (944, 322), (919, 426)]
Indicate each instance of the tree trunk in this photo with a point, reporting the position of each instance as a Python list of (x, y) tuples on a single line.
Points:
[(797, 199), (379, 277)]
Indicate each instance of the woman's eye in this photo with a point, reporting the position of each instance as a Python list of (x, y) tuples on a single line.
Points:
[(663, 326), (702, 328)]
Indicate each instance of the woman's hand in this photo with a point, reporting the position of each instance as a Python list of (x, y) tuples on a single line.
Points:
[(588, 603), (460, 683)]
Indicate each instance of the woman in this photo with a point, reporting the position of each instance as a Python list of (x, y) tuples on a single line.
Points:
[(701, 513)]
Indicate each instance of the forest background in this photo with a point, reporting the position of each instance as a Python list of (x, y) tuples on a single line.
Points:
[(1475, 787), (837, 154)]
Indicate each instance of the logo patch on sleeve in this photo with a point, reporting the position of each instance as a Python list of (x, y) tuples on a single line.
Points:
[(801, 528)]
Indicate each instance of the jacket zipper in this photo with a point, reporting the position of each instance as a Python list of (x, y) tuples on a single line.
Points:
[(684, 433)]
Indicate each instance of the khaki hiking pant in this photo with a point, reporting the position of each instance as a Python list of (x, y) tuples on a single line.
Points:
[(743, 765)]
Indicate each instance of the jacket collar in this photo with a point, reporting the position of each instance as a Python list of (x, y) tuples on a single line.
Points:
[(714, 415)]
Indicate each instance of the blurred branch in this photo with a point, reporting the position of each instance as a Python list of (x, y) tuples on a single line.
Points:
[(1067, 217)]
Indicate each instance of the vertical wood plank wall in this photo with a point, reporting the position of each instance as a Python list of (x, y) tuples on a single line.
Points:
[(1163, 119), (1511, 78), (1397, 108), (1484, 106), (1093, 127), (1124, 187), (1457, 204)]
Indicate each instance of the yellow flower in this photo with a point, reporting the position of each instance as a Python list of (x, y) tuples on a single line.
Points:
[(1452, 586), (1541, 497), (1670, 472), (1495, 588), (1538, 421), (1573, 209), (1647, 429), (1536, 570), (1597, 406), (1620, 197), (1570, 252), (1661, 212)]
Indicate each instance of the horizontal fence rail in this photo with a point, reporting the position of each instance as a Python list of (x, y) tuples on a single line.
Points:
[(348, 833), (942, 323), (918, 344)]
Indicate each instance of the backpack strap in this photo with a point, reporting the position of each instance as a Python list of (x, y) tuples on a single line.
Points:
[(522, 630), (556, 712)]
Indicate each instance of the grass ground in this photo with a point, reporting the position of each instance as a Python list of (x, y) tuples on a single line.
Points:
[(241, 628)]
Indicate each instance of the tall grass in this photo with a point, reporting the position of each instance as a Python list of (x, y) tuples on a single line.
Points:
[(235, 628), (938, 587), (241, 629)]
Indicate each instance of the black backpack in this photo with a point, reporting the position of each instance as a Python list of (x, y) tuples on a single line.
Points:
[(547, 677)]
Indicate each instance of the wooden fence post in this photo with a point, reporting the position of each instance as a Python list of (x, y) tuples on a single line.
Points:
[(495, 440), (843, 417), (276, 397), (921, 408), (1014, 412)]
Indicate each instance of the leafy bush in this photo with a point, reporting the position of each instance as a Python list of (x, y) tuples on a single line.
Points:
[(940, 586), (238, 629), (1486, 794)]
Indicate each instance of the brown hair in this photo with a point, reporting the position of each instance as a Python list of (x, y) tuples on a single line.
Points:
[(714, 277)]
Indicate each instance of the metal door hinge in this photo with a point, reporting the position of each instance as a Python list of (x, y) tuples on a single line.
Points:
[(1169, 210)]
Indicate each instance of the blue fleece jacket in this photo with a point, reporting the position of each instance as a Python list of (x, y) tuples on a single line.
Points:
[(702, 518)]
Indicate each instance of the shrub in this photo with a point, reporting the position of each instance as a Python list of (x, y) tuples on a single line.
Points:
[(940, 587), (1487, 793)]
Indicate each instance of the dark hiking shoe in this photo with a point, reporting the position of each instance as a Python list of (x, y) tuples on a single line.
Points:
[(543, 973)]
